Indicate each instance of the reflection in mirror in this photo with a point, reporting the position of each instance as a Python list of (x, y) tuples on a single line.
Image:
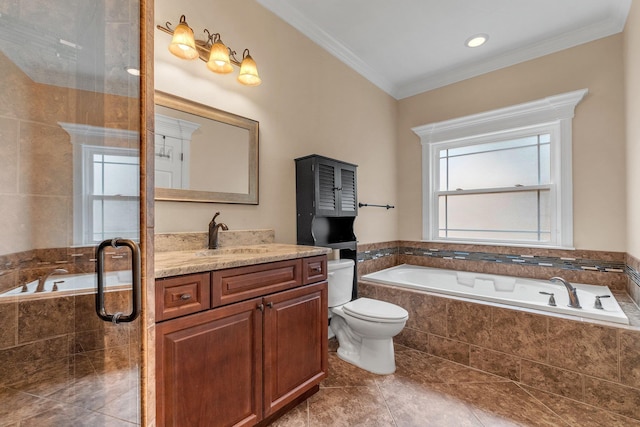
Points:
[(203, 154)]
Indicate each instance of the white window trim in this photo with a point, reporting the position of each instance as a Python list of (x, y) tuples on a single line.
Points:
[(83, 138), (554, 112)]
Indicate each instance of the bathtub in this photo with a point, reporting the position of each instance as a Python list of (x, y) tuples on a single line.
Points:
[(71, 284), (514, 291)]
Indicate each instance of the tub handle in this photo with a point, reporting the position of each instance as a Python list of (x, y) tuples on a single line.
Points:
[(101, 311), (598, 303), (552, 299)]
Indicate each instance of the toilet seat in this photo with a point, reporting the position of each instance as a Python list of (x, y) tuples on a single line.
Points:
[(375, 311)]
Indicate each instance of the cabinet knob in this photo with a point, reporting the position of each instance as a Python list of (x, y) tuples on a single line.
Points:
[(185, 297), (260, 307), (270, 304)]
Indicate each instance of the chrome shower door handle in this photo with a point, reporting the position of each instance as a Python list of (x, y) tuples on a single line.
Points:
[(135, 282)]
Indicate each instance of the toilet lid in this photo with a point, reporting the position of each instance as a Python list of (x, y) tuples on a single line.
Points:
[(374, 310)]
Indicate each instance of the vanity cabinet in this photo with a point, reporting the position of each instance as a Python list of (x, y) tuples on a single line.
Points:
[(209, 367), (252, 354)]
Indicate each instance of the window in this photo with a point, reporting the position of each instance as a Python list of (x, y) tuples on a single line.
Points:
[(106, 183), (111, 193), (501, 177)]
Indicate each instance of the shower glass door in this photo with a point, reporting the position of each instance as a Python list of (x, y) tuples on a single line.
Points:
[(69, 178)]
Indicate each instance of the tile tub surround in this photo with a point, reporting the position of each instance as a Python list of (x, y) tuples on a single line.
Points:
[(19, 268), (594, 363)]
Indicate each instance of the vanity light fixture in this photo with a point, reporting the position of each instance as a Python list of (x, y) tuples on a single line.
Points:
[(218, 57), (476, 40)]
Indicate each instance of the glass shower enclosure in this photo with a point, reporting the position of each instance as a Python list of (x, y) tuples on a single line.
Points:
[(70, 145)]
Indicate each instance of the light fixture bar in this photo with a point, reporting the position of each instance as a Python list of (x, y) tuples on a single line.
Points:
[(248, 70)]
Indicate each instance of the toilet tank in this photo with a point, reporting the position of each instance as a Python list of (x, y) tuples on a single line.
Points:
[(340, 281)]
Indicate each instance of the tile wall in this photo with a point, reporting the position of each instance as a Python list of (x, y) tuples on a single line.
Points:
[(596, 363)]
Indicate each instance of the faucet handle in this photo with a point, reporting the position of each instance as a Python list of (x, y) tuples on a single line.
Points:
[(552, 300), (598, 303)]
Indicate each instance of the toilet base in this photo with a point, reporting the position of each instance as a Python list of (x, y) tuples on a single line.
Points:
[(374, 355)]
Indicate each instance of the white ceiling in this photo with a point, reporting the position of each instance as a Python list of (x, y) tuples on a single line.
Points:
[(406, 47)]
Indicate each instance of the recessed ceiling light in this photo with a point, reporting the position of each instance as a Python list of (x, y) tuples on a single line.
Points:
[(476, 40), (133, 71)]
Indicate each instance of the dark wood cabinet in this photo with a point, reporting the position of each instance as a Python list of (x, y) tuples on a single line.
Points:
[(326, 202), (242, 361), (327, 205), (326, 187)]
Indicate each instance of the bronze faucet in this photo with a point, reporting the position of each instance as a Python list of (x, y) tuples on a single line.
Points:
[(43, 279), (213, 231), (573, 293)]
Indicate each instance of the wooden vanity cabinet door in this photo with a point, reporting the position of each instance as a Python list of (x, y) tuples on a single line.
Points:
[(209, 368), (295, 344)]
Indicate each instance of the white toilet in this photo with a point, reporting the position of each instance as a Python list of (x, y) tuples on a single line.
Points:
[(364, 327)]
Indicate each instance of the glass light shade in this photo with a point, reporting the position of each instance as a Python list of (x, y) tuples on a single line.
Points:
[(249, 72), (183, 44), (219, 59)]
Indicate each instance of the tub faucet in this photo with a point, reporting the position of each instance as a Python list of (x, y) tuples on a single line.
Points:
[(43, 279), (213, 231), (573, 293)]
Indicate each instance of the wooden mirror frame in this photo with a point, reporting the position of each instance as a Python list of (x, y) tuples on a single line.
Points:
[(183, 195)]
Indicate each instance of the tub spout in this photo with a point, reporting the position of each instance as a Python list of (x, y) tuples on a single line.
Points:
[(573, 293), (44, 278)]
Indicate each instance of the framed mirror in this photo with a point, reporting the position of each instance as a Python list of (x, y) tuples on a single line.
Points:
[(203, 154)]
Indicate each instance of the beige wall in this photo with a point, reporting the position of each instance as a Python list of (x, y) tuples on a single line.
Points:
[(632, 82), (309, 102), (598, 133)]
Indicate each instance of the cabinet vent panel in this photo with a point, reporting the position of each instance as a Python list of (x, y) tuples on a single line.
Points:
[(348, 201), (327, 196)]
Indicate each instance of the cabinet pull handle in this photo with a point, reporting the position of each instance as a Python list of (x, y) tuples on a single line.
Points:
[(316, 269), (185, 297), (270, 304), (261, 307)]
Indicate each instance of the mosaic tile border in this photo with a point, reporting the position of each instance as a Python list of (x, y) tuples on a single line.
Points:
[(564, 263), (633, 275)]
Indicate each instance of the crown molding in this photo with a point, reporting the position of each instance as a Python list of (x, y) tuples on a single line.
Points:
[(293, 17), (614, 24)]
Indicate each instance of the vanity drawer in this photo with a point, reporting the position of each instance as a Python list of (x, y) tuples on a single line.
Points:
[(314, 269), (180, 295), (238, 284)]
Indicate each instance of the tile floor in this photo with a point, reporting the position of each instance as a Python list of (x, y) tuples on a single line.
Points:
[(428, 391)]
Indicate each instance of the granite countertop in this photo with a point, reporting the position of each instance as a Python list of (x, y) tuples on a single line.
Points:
[(175, 263)]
